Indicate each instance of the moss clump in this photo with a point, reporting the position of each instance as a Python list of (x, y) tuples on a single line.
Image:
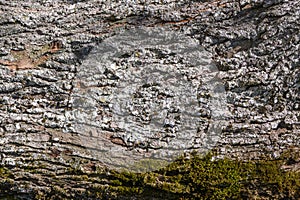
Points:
[(195, 178), (6, 183), (198, 177), (145, 165), (4, 173), (202, 178)]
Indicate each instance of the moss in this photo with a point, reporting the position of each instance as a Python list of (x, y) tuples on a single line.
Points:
[(6, 183), (39, 195), (270, 177), (146, 165), (5, 174), (200, 177)]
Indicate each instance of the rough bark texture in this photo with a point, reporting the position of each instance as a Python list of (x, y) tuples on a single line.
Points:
[(254, 44)]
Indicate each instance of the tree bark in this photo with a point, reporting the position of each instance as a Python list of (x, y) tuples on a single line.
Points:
[(44, 45)]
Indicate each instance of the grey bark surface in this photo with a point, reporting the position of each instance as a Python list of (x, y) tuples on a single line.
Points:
[(254, 45)]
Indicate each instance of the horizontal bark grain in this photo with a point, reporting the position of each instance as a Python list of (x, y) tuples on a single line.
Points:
[(254, 44)]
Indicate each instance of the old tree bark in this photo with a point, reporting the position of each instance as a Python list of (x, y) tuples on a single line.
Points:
[(253, 43)]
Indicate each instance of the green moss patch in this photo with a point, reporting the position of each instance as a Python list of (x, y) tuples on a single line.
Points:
[(195, 178), (202, 178)]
